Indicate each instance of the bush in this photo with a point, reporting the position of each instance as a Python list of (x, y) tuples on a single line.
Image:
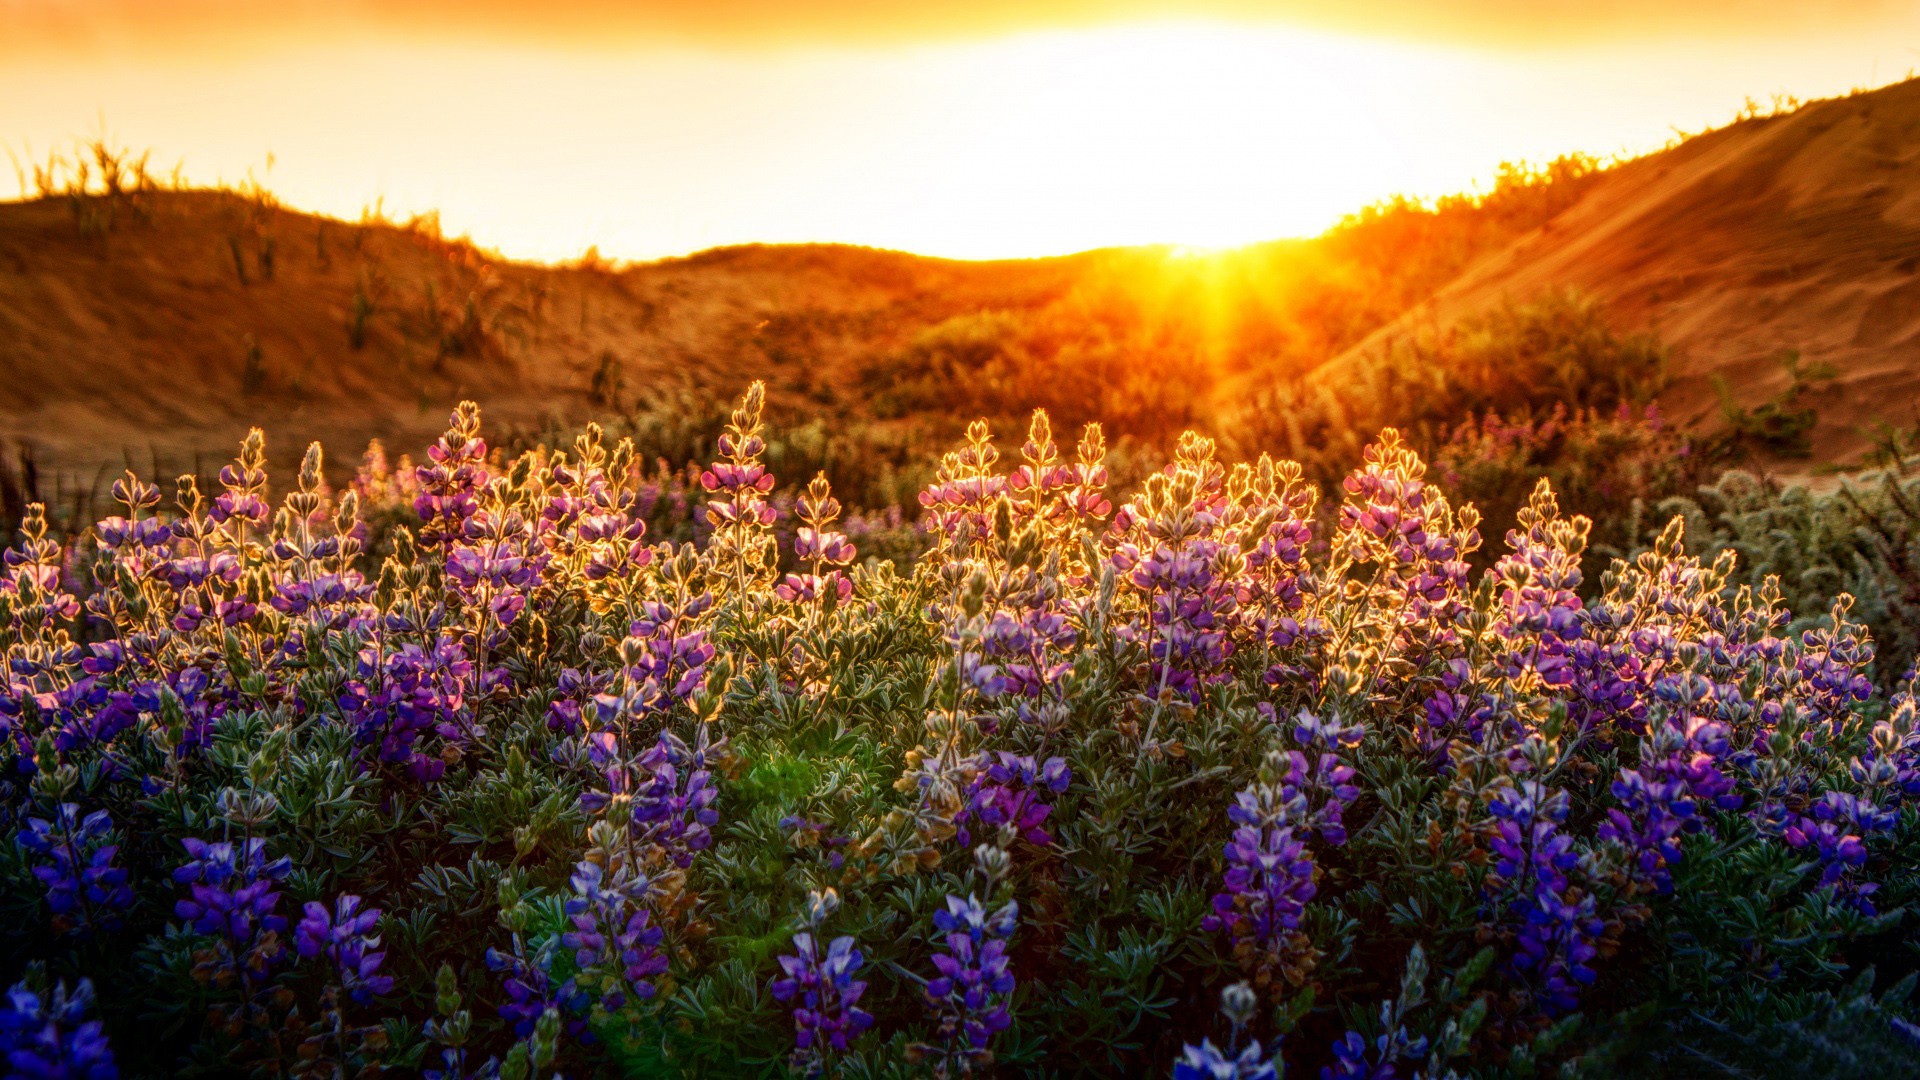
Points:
[(530, 792), (1519, 362), (1857, 533)]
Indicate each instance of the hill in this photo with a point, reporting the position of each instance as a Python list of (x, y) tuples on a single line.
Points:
[(204, 312), (152, 327), (1791, 232)]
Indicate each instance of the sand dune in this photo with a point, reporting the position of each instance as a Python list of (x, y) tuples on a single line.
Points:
[(160, 340), (1799, 231), (146, 345)]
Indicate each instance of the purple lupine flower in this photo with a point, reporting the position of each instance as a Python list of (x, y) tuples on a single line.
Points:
[(530, 988), (1392, 519), (1557, 920), (452, 480), (1556, 942), (1319, 776), (1890, 769), (232, 898), (1832, 667), (666, 790), (824, 552), (1273, 592), (231, 888), (1268, 881), (345, 937), (1679, 775), (1010, 790), (1249, 1062), (665, 659), (1836, 832), (821, 985), (960, 503), (681, 816), (970, 995), (407, 698), (1020, 651), (824, 992), (50, 1038), (1353, 1059), (613, 941), (85, 890), (739, 514), (491, 567), (1527, 843), (1208, 1062), (1188, 607)]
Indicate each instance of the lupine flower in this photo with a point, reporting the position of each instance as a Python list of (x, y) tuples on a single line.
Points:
[(739, 513), (491, 568), (411, 698), (1353, 1059), (613, 941), (1416, 541), (1557, 921), (1208, 1062), (344, 936), (530, 988), (970, 994), (680, 818), (1269, 879), (819, 982), (1835, 832), (1184, 633), (1249, 1062), (1679, 776), (1319, 777), (826, 553), (450, 482), (1010, 790), (85, 890), (960, 502), (824, 991), (50, 1038), (232, 898)]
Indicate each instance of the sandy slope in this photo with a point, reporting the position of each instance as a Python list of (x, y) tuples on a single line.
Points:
[(135, 346), (1800, 231)]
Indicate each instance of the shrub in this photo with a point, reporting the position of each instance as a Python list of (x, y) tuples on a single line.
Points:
[(515, 787), (1857, 533)]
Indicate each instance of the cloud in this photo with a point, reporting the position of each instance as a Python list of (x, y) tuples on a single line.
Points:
[(198, 26)]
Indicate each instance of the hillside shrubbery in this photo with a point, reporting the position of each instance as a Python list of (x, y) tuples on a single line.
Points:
[(1143, 339), (538, 791)]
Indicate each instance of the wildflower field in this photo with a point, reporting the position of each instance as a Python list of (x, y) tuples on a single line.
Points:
[(470, 769)]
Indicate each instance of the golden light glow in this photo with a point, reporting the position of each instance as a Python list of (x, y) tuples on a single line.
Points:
[(1201, 134)]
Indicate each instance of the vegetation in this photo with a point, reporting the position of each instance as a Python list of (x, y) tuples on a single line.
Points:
[(1141, 341), (533, 790)]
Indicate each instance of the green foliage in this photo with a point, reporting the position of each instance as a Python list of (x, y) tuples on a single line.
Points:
[(1857, 533), (1782, 423)]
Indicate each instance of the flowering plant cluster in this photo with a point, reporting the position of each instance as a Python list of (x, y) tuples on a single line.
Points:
[(485, 768)]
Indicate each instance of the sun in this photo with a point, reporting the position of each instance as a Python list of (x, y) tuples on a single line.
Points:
[(1203, 135)]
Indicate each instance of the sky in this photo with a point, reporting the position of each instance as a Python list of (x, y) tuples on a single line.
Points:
[(965, 129)]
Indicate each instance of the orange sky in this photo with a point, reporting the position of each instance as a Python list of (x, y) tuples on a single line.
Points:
[(965, 129), (90, 24)]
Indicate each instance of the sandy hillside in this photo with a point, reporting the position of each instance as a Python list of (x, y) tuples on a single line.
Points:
[(1799, 231), (158, 340), (146, 344)]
